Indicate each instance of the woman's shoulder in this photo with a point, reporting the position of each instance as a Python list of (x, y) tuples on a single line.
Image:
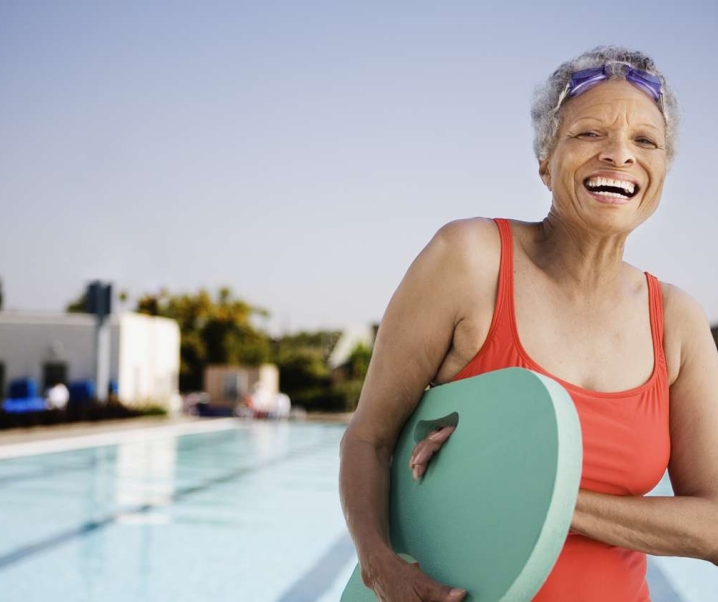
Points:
[(684, 316), (473, 243), (470, 230), (679, 305), (685, 326)]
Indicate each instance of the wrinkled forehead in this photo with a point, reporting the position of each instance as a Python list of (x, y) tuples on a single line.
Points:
[(614, 102)]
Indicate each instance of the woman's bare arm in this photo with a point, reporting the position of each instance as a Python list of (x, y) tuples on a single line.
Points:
[(414, 337)]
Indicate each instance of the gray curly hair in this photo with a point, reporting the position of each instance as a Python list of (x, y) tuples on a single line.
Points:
[(546, 119)]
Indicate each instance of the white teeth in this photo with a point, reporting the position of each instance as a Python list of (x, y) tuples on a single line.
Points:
[(629, 187), (612, 195)]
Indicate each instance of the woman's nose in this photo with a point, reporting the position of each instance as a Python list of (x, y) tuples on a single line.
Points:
[(618, 151)]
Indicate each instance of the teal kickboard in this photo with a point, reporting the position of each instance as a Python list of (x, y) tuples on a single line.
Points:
[(494, 507)]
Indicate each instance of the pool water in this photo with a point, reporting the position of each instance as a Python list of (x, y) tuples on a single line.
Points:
[(240, 514), (248, 513)]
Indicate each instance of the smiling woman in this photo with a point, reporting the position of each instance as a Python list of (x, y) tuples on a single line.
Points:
[(635, 354), (610, 146)]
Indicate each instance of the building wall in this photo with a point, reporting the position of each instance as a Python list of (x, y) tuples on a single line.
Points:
[(148, 350), (28, 341), (144, 351), (268, 375), (226, 385)]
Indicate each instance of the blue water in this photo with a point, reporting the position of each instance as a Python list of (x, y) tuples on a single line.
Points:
[(242, 515), (246, 514)]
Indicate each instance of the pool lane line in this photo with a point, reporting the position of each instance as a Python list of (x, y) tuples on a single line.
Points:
[(60, 469), (63, 444), (45, 472), (93, 526), (322, 575)]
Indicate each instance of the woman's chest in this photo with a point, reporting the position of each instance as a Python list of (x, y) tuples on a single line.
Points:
[(596, 346)]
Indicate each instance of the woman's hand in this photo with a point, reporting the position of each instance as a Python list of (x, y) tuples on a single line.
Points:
[(400, 581), (424, 450)]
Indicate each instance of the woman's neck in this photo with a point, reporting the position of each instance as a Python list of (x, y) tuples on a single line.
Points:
[(577, 257)]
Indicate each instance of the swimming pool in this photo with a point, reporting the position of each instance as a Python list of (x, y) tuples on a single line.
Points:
[(248, 512)]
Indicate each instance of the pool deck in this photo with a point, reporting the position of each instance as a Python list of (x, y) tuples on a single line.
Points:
[(12, 437)]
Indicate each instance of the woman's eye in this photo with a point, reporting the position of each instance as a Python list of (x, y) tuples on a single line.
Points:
[(644, 140), (588, 135)]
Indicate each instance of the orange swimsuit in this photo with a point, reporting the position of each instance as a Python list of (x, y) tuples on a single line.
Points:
[(626, 447)]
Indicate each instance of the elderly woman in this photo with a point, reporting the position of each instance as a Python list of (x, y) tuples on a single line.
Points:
[(635, 354)]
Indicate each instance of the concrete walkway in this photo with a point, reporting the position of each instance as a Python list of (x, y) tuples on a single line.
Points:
[(32, 441), (80, 429)]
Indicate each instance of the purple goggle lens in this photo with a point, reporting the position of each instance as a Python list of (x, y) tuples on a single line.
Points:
[(647, 82), (587, 78), (583, 80)]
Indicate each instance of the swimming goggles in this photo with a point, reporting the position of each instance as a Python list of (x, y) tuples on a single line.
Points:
[(587, 78)]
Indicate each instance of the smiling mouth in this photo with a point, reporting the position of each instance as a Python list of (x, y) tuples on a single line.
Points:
[(611, 189)]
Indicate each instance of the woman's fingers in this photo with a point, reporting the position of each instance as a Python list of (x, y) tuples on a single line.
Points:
[(406, 582), (421, 459), (429, 590), (442, 434), (425, 449), (432, 443)]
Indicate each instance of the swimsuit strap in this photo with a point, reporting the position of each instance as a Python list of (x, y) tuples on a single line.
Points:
[(505, 295), (655, 303)]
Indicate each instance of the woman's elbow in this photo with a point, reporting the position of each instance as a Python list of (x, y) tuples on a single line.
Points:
[(353, 443)]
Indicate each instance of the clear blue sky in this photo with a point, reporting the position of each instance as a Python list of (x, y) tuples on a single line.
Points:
[(304, 152)]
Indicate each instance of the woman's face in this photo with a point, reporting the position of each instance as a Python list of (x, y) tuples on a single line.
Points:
[(608, 167)]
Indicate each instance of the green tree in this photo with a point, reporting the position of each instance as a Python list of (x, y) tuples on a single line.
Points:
[(355, 369), (302, 360), (214, 331), (302, 368), (359, 362)]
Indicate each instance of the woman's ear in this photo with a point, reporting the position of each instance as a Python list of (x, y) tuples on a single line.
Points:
[(545, 173)]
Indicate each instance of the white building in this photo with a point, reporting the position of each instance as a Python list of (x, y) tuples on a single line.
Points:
[(144, 352)]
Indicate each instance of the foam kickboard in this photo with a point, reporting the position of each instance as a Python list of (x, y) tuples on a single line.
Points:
[(493, 510)]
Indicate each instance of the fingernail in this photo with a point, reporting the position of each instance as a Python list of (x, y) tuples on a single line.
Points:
[(457, 592), (435, 436)]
